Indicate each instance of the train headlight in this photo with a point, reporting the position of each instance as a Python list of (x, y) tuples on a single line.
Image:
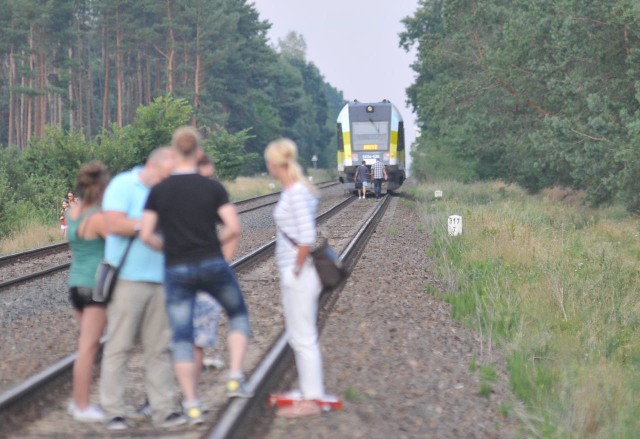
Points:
[(370, 108)]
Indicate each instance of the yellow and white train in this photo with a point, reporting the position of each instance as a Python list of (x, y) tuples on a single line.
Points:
[(370, 130)]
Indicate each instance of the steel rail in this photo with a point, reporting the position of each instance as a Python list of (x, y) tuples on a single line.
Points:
[(33, 252), (7, 259), (10, 258), (41, 380), (233, 421), (17, 280)]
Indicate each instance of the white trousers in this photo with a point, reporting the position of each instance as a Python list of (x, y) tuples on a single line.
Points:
[(300, 302)]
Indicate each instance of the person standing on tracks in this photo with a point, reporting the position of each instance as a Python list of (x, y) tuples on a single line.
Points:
[(379, 171), (87, 231), (361, 180), (206, 310), (72, 199), (197, 259), (206, 314), (63, 218), (300, 286), (137, 306)]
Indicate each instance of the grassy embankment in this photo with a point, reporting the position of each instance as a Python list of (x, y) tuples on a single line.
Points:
[(32, 234), (556, 286)]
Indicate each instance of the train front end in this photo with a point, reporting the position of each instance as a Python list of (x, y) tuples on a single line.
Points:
[(367, 131)]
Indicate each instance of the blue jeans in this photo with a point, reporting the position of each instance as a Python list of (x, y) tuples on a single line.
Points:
[(377, 186), (182, 281)]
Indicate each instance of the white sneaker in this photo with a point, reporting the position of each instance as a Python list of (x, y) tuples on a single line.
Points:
[(213, 362), (90, 414)]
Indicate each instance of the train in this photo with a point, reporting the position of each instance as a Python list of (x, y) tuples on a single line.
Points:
[(367, 131)]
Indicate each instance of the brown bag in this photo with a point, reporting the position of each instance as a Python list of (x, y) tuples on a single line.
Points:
[(325, 259), (328, 266)]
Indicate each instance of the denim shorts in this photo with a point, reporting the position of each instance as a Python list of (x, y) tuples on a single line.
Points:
[(206, 316), (182, 281)]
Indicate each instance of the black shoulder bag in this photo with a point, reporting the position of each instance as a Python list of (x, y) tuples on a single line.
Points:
[(107, 277)]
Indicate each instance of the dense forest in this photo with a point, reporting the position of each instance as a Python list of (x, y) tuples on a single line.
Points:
[(539, 93), (111, 79), (88, 65)]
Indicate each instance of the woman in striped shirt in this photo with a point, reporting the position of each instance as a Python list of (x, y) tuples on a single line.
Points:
[(300, 286)]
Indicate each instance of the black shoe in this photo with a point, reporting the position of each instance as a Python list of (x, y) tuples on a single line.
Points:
[(142, 413), (117, 423), (173, 420)]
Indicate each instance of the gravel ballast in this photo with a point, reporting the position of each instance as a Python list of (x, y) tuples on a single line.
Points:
[(390, 349), (396, 356)]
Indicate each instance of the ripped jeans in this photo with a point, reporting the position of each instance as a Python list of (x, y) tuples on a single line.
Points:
[(182, 281)]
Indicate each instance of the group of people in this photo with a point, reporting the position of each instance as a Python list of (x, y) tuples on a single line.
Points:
[(158, 223), (361, 178)]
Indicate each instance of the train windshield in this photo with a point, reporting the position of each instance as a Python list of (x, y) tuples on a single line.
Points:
[(370, 136)]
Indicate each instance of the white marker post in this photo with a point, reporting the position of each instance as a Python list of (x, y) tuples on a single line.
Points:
[(437, 194), (455, 225)]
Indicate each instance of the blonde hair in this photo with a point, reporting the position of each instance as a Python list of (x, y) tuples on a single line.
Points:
[(186, 140), (284, 152)]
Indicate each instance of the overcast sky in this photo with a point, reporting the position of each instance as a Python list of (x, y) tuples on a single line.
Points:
[(354, 44)]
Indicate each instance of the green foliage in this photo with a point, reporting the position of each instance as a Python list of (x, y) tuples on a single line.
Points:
[(539, 93), (34, 182), (431, 162), (154, 125), (354, 395), (104, 59), (554, 285), (114, 149), (229, 154)]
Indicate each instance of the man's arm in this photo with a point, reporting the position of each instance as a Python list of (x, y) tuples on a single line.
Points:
[(147, 232), (229, 236), (118, 223)]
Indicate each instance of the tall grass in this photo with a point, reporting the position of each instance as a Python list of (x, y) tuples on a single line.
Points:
[(556, 285), (29, 230)]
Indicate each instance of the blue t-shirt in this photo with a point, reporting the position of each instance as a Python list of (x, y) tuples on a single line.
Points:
[(126, 193), (362, 173)]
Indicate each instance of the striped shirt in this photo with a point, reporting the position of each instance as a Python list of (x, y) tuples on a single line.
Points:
[(378, 169), (295, 215)]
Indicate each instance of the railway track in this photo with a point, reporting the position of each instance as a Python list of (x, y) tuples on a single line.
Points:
[(233, 417), (62, 249)]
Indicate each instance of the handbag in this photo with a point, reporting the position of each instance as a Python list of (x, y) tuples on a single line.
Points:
[(329, 268), (325, 259), (107, 277)]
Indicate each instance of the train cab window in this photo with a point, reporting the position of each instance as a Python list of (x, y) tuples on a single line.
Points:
[(370, 136)]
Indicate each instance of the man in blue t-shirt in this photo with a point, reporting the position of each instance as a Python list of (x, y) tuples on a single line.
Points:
[(361, 179), (137, 306)]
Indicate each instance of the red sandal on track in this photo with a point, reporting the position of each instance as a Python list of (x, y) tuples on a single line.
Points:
[(299, 409)]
